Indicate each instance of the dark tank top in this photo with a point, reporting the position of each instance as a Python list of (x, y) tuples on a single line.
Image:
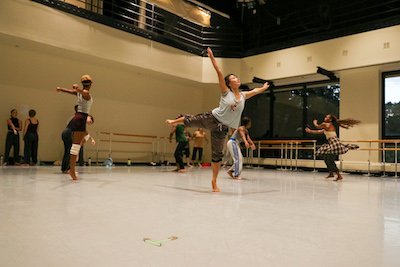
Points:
[(32, 127), (15, 122)]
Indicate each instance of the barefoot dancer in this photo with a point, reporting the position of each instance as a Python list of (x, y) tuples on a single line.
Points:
[(219, 119), (233, 145), (79, 120), (335, 146)]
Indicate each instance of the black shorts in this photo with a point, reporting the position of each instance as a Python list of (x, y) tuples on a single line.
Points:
[(78, 122)]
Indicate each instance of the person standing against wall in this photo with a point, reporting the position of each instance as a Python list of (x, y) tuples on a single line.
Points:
[(14, 126), (31, 138)]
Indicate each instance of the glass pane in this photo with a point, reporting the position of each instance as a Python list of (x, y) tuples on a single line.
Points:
[(258, 110), (288, 114), (320, 102), (392, 106)]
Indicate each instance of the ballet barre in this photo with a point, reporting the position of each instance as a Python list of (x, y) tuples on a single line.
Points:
[(381, 143), (287, 148), (111, 139)]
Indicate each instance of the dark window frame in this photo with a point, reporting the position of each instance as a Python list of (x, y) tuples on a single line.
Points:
[(383, 126)]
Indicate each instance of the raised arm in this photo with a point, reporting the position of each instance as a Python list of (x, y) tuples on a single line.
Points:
[(65, 90), (256, 91), (83, 92), (308, 130), (221, 80)]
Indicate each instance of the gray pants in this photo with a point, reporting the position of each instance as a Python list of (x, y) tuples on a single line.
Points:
[(217, 129)]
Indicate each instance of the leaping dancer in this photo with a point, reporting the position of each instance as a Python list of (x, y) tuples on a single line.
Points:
[(218, 120)]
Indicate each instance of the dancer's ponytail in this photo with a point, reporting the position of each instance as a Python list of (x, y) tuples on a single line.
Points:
[(344, 123)]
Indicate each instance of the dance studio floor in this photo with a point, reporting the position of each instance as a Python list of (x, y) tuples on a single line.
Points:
[(272, 218)]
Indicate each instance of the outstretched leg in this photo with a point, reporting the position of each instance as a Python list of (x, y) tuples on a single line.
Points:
[(173, 122)]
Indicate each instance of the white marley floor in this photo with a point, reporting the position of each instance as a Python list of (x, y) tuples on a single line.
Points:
[(273, 218)]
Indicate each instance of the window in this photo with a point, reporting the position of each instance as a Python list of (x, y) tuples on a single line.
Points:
[(285, 112), (391, 112)]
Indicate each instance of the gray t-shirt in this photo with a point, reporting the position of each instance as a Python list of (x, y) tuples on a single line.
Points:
[(236, 135), (230, 109)]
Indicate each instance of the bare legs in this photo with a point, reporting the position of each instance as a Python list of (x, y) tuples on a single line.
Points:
[(177, 121), (215, 168), (78, 137)]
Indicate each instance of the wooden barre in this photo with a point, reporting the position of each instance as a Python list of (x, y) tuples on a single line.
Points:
[(285, 141), (134, 142), (280, 148), (374, 141), (133, 135)]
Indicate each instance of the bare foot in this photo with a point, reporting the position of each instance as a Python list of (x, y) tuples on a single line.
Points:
[(230, 173), (329, 176), (339, 178), (73, 176), (215, 187), (5, 164), (190, 166), (223, 166), (175, 170), (238, 178), (199, 164), (182, 170), (76, 173)]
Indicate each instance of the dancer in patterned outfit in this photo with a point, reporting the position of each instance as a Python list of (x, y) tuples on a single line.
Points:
[(334, 146), (218, 120)]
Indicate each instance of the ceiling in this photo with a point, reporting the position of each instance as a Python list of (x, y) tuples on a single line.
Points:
[(269, 25)]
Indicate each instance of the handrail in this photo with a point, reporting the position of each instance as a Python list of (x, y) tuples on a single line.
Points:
[(133, 135), (154, 151), (287, 146)]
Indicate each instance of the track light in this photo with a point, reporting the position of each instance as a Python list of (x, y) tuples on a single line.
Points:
[(327, 73)]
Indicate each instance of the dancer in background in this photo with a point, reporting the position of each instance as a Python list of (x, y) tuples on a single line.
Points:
[(233, 145), (14, 126), (334, 146), (182, 142), (85, 101), (31, 138), (219, 119), (186, 150), (199, 136)]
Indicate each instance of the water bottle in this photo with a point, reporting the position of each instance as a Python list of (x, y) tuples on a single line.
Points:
[(90, 161), (129, 162)]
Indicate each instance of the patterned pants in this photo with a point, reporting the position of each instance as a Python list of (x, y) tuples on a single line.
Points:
[(217, 129)]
